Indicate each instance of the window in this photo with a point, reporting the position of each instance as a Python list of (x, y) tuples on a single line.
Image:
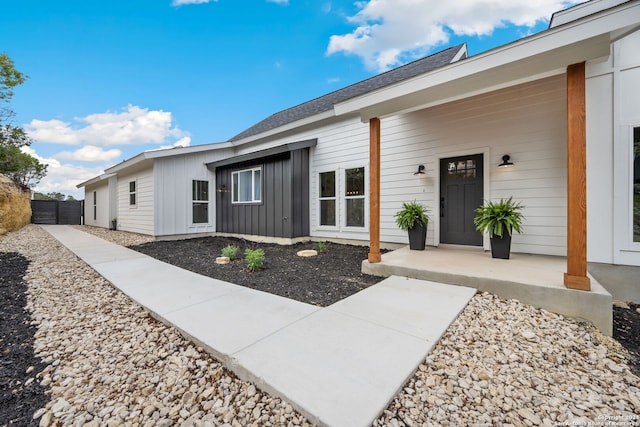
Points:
[(354, 197), (342, 198), (328, 198), (200, 201), (462, 169), (132, 193), (95, 207), (636, 184), (247, 186)]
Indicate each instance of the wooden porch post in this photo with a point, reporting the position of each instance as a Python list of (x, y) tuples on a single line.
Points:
[(374, 190), (576, 275)]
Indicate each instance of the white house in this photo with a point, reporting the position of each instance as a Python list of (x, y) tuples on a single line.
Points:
[(563, 104)]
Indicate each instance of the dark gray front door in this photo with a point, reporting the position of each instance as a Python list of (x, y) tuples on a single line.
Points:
[(461, 192)]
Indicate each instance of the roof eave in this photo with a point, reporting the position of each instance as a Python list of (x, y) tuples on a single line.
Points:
[(168, 152), (95, 180), (546, 53), (285, 128)]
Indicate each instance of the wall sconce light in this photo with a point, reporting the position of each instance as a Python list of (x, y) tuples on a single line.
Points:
[(223, 189), (420, 171), (505, 161)]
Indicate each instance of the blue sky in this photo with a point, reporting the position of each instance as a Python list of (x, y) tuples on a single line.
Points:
[(110, 79)]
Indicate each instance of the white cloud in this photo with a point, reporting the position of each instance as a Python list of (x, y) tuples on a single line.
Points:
[(390, 32), (182, 2), (62, 177), (52, 131), (133, 125), (278, 1), (90, 153), (182, 142)]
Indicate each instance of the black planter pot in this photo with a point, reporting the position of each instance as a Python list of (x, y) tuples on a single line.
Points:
[(501, 246), (114, 225), (417, 237)]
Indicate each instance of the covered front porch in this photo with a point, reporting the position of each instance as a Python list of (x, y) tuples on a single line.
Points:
[(537, 280)]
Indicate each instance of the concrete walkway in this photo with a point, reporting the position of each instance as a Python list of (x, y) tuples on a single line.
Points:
[(339, 366)]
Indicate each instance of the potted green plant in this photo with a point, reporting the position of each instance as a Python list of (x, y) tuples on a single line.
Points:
[(413, 218), (114, 223), (499, 220)]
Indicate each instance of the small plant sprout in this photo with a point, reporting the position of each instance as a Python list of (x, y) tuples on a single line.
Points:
[(254, 259), (230, 251), (321, 246)]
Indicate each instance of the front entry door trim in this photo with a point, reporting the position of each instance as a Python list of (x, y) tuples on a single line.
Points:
[(435, 212)]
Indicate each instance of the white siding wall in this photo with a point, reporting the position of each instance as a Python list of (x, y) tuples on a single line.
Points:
[(526, 122), (103, 218), (173, 177), (341, 144), (137, 218), (613, 109)]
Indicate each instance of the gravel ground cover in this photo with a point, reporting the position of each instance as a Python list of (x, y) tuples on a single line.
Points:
[(108, 363), (500, 363)]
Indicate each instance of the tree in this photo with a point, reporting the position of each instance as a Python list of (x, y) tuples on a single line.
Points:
[(53, 196), (24, 169), (9, 78)]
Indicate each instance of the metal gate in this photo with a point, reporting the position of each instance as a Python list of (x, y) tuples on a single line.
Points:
[(56, 212)]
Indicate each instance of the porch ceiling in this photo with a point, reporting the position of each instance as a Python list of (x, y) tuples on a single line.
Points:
[(529, 59)]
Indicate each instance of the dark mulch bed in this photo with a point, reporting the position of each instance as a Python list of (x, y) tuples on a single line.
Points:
[(626, 329), (321, 280), (18, 401)]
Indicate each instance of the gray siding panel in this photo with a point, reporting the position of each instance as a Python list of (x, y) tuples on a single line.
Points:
[(300, 192), (284, 210), (276, 199)]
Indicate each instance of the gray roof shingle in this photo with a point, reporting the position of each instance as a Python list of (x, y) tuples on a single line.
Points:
[(326, 102)]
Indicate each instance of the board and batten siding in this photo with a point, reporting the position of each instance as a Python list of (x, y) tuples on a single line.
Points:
[(173, 178), (342, 143), (284, 207), (526, 121), (103, 218), (613, 110), (137, 218)]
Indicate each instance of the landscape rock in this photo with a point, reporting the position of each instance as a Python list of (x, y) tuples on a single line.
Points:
[(307, 252), (501, 362)]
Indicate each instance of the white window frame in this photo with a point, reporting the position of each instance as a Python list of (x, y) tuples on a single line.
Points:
[(253, 200), (341, 199), (336, 198), (207, 202), (344, 197), (134, 192)]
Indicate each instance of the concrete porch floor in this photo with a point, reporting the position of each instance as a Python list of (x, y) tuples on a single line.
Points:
[(532, 279)]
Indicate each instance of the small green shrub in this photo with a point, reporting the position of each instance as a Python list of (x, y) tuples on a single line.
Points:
[(254, 259), (321, 246), (497, 217), (230, 251), (412, 214)]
